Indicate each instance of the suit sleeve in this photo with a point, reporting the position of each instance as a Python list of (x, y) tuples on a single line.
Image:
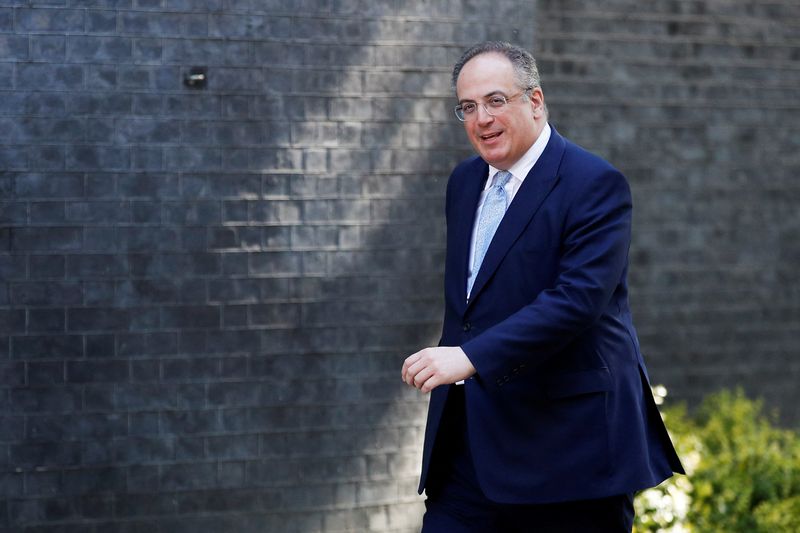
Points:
[(594, 255)]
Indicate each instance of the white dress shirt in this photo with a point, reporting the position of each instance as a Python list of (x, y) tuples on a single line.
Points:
[(519, 171)]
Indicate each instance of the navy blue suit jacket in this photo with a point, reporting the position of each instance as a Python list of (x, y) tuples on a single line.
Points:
[(560, 407)]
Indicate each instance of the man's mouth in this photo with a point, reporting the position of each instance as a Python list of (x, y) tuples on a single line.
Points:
[(489, 136)]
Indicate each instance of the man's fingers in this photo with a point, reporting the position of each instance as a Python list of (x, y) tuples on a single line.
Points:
[(431, 367), (423, 376), (414, 371), (413, 365), (410, 360), (430, 384)]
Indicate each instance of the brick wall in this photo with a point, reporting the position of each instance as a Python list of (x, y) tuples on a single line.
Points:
[(206, 294), (698, 102)]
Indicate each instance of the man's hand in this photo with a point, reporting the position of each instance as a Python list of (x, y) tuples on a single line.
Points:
[(431, 367)]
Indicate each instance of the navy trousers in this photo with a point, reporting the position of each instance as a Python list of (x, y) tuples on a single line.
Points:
[(456, 504)]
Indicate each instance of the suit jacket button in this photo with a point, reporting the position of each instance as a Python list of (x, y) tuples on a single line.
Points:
[(467, 326)]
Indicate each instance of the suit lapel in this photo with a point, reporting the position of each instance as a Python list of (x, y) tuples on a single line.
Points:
[(464, 218), (532, 193)]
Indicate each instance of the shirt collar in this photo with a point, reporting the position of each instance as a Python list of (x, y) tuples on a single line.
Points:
[(523, 166)]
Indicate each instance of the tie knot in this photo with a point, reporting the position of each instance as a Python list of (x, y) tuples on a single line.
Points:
[(501, 178)]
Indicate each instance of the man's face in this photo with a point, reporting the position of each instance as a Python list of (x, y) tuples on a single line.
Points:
[(502, 139)]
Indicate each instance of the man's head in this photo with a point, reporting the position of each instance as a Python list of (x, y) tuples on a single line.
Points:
[(500, 100)]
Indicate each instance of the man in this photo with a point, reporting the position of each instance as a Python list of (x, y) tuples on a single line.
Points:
[(541, 417)]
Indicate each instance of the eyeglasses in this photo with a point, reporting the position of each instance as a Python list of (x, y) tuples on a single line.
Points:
[(495, 105)]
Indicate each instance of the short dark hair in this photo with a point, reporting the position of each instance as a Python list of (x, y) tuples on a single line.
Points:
[(523, 62)]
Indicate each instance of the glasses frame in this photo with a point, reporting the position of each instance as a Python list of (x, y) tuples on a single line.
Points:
[(459, 112)]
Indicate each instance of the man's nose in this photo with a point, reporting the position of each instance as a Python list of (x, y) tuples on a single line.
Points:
[(484, 117)]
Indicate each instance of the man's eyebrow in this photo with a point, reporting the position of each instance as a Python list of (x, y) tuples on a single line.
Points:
[(487, 95)]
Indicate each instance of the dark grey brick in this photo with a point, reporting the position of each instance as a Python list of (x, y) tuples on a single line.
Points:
[(96, 319), (12, 374), (53, 20), (147, 504), (48, 48), (99, 104), (99, 212), (99, 398), (103, 21), (147, 105), (47, 266), (143, 479), (191, 317), (204, 212), (100, 346), (144, 450), (97, 506), (46, 320), (47, 158), (142, 239), (14, 47), (148, 185), (97, 371), (145, 371), (190, 422), (189, 476), (35, 510), (14, 158), (44, 104), (42, 483), (207, 106), (136, 78), (99, 49), (192, 369), (100, 77), (37, 76), (234, 290), (142, 292), (147, 158), (11, 320), (95, 480), (147, 50), (95, 266), (194, 158), (47, 213), (145, 397), (44, 400), (99, 239), (62, 427), (47, 347), (46, 293), (59, 130), (233, 447), (253, 26), (97, 158)]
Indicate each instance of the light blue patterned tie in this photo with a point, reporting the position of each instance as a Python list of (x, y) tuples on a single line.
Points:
[(494, 207)]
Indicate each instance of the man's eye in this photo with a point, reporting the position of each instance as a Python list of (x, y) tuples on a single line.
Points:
[(497, 101), (468, 108)]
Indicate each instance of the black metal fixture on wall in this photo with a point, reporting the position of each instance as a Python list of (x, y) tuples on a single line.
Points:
[(196, 78)]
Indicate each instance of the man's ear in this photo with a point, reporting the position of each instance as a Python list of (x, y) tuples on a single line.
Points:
[(536, 99)]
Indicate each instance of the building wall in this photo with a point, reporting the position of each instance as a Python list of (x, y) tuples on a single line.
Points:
[(206, 294), (698, 102)]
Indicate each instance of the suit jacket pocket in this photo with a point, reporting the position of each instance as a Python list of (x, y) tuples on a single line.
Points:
[(576, 383)]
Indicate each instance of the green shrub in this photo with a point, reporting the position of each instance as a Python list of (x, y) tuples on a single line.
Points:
[(782, 516), (744, 472)]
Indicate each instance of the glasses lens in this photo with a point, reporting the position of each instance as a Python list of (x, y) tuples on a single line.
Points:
[(459, 113)]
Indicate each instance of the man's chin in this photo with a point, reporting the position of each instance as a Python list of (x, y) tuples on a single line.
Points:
[(493, 159)]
